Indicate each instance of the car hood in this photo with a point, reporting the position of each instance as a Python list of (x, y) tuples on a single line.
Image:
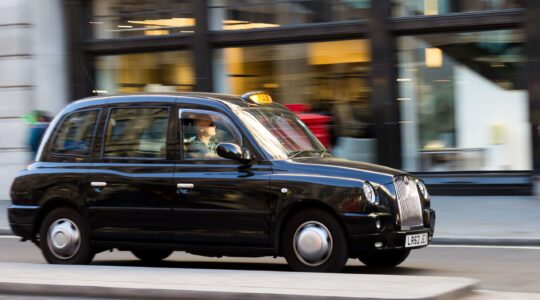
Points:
[(331, 166)]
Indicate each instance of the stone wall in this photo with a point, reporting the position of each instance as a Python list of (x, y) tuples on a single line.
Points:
[(32, 75)]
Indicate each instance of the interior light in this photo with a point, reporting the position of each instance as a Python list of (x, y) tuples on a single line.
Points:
[(271, 85), (434, 57), (174, 22), (234, 22), (241, 26), (156, 32), (431, 7)]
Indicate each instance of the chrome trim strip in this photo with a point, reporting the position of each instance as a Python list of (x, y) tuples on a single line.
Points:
[(185, 185)]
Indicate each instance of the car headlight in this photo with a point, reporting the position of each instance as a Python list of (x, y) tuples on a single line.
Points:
[(369, 192), (423, 189)]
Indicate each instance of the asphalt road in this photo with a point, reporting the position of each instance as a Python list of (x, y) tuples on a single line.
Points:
[(511, 269)]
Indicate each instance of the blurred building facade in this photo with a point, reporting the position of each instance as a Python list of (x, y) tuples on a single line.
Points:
[(32, 75), (442, 88)]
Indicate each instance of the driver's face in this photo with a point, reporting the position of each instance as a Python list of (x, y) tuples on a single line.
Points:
[(206, 127)]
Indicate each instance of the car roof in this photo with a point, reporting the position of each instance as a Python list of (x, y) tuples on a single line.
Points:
[(211, 99)]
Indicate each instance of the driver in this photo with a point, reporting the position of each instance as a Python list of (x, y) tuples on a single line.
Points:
[(204, 144)]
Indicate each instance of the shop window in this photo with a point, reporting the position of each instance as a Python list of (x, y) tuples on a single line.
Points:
[(405, 8), (253, 14), (127, 18), (145, 72), (326, 83), (463, 101)]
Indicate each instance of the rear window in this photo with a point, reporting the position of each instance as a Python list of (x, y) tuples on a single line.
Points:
[(136, 133), (74, 136)]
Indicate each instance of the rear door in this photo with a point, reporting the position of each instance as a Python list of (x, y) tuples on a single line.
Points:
[(131, 184)]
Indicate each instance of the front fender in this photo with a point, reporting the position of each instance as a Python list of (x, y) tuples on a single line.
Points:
[(334, 192)]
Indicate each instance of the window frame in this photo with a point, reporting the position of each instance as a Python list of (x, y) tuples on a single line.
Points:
[(227, 119), (168, 135), (54, 136)]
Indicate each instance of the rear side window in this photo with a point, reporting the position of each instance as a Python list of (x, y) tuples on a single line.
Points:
[(74, 136), (136, 133)]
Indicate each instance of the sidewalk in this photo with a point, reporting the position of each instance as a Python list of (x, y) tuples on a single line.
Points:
[(500, 220), (164, 283), (491, 220)]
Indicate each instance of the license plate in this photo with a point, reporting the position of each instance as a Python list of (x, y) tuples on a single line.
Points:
[(415, 240)]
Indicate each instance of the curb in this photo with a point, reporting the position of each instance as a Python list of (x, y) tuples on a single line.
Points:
[(50, 290), (5, 231)]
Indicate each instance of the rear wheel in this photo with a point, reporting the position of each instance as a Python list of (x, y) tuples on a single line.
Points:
[(151, 256), (313, 241), (385, 258), (65, 238)]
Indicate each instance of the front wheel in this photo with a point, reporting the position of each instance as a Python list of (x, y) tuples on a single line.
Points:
[(151, 256), (313, 241), (385, 258), (65, 238)]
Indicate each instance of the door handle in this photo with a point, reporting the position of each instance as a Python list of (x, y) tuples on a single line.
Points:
[(185, 185), (98, 184)]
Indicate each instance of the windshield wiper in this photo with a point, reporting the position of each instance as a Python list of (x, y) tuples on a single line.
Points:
[(299, 152)]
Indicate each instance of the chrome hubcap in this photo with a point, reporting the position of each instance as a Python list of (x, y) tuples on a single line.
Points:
[(312, 243), (64, 239)]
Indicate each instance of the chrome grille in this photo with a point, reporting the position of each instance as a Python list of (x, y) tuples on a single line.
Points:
[(410, 209)]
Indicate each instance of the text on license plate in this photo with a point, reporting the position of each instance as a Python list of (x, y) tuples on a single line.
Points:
[(415, 240)]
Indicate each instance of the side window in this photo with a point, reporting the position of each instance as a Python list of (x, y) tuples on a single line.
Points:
[(203, 131), (136, 133), (74, 136)]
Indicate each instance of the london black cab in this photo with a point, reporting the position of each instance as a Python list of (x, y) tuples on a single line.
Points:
[(214, 175)]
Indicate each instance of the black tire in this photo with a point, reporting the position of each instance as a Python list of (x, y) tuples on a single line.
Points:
[(151, 256), (385, 258), (336, 258), (82, 253)]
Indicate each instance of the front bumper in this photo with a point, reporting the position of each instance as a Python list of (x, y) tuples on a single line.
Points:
[(391, 240), (22, 219), (363, 232)]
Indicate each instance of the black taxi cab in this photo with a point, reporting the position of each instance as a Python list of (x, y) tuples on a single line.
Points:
[(214, 175)]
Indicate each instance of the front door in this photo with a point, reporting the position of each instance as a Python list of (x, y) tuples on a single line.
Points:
[(131, 186), (218, 201)]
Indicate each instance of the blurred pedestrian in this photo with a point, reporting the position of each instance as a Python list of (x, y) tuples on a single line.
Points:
[(39, 121)]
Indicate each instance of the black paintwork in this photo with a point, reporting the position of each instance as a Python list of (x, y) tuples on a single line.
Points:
[(233, 208)]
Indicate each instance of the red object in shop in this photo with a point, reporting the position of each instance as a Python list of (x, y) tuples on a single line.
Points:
[(317, 123)]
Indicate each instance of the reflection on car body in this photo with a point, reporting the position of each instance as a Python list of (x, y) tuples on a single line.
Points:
[(120, 172)]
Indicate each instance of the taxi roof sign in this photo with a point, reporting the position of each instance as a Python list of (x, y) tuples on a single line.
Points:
[(257, 97)]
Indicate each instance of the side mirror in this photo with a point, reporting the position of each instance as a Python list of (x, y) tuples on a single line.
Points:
[(232, 151)]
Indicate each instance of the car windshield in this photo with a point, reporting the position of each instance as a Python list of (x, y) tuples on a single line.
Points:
[(280, 132)]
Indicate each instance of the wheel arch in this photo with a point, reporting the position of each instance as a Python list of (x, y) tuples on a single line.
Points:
[(287, 213), (51, 205)]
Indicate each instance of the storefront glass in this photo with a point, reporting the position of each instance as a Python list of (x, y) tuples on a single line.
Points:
[(251, 14), (314, 79), (145, 72), (463, 101), (127, 18), (405, 8)]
